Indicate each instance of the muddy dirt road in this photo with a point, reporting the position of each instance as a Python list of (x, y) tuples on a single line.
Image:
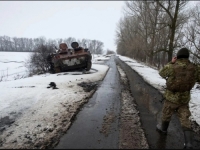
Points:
[(119, 116), (97, 125)]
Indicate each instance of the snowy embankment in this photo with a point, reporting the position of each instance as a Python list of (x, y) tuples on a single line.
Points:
[(152, 77), (35, 116)]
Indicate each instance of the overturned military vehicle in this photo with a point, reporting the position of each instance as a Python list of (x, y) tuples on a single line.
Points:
[(66, 59)]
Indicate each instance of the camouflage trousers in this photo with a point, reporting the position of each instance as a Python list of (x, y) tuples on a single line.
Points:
[(182, 111)]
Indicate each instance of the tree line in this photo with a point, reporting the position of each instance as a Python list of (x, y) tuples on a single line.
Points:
[(153, 31), (32, 44)]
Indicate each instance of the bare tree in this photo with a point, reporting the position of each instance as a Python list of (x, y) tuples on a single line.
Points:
[(68, 41), (85, 43), (192, 34), (151, 31), (96, 47), (173, 9)]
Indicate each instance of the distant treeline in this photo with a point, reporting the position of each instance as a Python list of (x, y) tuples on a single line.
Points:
[(14, 44)]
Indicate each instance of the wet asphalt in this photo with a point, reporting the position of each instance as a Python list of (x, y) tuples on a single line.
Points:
[(149, 103), (86, 130)]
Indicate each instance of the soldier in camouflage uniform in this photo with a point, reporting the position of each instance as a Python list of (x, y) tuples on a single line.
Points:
[(177, 99)]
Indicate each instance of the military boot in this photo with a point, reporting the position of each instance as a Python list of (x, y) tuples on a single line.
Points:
[(162, 128), (188, 139)]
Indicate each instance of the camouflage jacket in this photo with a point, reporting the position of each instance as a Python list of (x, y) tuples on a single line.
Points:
[(167, 73)]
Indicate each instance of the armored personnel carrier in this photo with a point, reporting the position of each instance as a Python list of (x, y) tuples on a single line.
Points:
[(66, 59)]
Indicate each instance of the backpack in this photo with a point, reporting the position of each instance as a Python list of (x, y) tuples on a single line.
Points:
[(183, 77)]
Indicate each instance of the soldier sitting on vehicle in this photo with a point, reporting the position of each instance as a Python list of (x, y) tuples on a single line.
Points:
[(77, 48), (63, 48)]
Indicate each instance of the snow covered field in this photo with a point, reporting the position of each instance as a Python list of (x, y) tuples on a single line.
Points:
[(32, 108), (12, 65)]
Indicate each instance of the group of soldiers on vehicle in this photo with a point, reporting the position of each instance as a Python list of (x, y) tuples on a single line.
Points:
[(66, 59)]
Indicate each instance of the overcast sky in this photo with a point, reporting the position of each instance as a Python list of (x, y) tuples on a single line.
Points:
[(93, 20)]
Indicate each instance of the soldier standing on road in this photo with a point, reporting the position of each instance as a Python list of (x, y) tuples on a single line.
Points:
[(181, 75)]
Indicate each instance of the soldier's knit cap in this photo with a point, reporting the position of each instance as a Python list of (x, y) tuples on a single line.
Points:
[(183, 53)]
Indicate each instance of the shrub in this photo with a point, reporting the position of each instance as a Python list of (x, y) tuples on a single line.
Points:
[(38, 64)]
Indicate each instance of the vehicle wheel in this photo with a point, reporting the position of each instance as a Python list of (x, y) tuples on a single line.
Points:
[(89, 65)]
